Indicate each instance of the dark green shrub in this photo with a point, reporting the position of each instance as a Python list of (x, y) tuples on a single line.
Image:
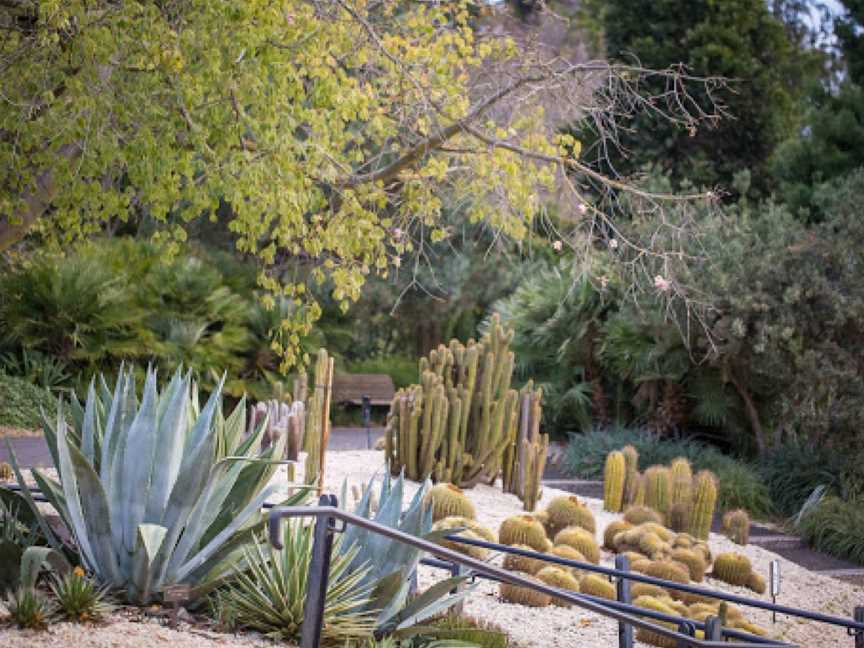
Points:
[(793, 472), (402, 369), (20, 402), (835, 527)]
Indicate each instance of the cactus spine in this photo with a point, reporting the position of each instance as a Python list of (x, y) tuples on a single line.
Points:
[(614, 475), (631, 481), (464, 424), (704, 501), (658, 488), (682, 481)]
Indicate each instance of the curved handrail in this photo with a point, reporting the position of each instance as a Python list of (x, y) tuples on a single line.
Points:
[(580, 600)]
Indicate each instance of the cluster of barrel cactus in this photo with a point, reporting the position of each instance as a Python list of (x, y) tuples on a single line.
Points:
[(655, 550), (671, 493), (736, 526), (464, 424), (452, 509)]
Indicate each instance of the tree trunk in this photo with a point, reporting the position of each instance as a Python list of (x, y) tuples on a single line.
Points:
[(752, 413)]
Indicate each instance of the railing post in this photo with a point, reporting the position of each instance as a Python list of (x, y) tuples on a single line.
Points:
[(625, 630), (319, 571), (686, 628), (859, 634), (713, 629)]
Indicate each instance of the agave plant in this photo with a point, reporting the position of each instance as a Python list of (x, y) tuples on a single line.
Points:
[(157, 493), (390, 564), (268, 595)]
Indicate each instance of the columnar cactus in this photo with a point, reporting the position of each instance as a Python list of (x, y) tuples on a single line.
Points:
[(658, 488), (736, 526), (464, 424), (682, 481), (704, 501), (5, 472), (614, 474), (317, 431)]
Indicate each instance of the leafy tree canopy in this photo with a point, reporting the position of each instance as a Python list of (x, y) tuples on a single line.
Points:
[(330, 130)]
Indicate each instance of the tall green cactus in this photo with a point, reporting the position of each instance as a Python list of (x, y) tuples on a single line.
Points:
[(631, 457), (682, 481), (614, 475), (704, 501), (464, 423), (658, 488), (317, 428)]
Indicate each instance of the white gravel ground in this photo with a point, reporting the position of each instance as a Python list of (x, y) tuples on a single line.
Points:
[(548, 627)]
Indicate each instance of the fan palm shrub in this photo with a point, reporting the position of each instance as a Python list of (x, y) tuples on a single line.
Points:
[(269, 592), (157, 492)]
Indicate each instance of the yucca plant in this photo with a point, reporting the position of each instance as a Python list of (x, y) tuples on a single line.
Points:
[(268, 594), (156, 493), (389, 564), (28, 609), (79, 598)]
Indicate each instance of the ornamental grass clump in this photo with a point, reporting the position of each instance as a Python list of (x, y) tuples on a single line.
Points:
[(154, 493)]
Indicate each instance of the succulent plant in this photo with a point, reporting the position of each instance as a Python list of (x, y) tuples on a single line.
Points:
[(658, 488), (648, 636), (693, 560), (568, 553), (637, 515), (595, 585), (757, 583), (155, 493), (732, 568), (467, 529), (704, 501), (566, 510), (524, 564), (448, 500), (679, 517), (668, 570), (631, 457), (613, 529), (653, 527), (6, 473), (682, 481), (581, 540), (523, 595), (736, 526), (647, 589), (28, 609), (560, 578), (652, 545), (525, 530), (79, 599), (614, 475)]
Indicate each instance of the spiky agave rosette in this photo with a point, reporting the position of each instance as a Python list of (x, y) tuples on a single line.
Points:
[(157, 493)]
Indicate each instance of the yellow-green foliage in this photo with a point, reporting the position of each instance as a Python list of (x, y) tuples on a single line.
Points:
[(614, 475), (732, 568), (652, 545), (613, 529), (448, 500), (525, 530), (595, 585), (653, 527), (581, 540), (657, 605), (566, 511), (658, 488), (568, 553), (639, 490), (679, 516), (682, 481), (560, 578), (736, 526), (638, 514), (523, 595), (757, 583), (693, 560), (5, 472), (704, 501), (514, 562)]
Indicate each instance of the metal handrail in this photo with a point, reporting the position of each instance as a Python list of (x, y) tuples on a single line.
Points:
[(851, 624), (325, 515)]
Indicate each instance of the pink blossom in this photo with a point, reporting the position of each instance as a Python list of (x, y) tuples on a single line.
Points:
[(661, 284)]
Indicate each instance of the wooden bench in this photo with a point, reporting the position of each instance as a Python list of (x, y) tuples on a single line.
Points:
[(349, 389)]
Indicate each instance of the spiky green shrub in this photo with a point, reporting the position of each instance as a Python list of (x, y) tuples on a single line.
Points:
[(456, 628), (159, 492), (28, 609), (269, 592), (79, 598), (388, 564)]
